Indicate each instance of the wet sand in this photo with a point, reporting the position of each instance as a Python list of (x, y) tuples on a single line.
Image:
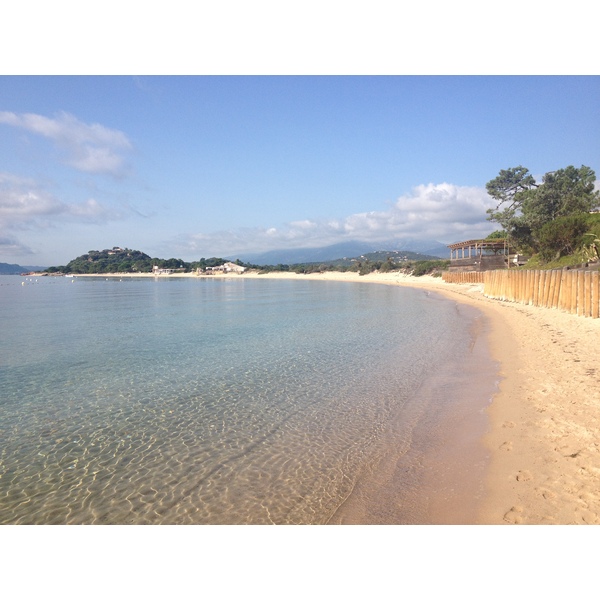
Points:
[(542, 445)]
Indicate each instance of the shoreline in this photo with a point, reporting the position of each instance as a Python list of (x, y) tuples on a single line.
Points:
[(544, 427)]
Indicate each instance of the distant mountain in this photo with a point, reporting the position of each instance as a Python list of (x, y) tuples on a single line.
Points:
[(307, 255), (7, 269), (429, 247), (344, 250), (440, 250)]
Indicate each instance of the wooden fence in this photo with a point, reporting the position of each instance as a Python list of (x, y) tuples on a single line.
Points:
[(466, 277), (573, 291), (576, 292)]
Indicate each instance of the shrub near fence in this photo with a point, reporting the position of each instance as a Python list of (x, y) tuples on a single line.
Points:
[(576, 292)]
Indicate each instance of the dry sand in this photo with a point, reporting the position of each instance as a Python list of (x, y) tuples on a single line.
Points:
[(544, 423)]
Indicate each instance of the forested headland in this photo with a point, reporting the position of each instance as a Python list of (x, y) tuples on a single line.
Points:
[(125, 260)]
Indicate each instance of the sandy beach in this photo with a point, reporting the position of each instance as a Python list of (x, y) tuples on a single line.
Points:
[(543, 435), (544, 426)]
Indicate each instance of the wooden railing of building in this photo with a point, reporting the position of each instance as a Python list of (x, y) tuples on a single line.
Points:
[(573, 291)]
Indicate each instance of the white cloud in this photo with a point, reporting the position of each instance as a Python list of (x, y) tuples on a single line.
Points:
[(25, 204), (88, 148), (303, 225), (437, 212)]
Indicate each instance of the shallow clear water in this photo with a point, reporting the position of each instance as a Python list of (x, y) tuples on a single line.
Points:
[(209, 400)]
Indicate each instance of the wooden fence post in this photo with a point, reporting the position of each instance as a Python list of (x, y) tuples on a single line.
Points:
[(587, 293), (573, 304), (560, 302), (530, 281), (596, 295), (580, 293), (544, 276), (555, 289)]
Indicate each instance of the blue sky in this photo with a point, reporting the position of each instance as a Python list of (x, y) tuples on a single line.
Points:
[(199, 166)]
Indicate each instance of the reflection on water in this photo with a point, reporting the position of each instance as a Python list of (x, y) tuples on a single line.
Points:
[(207, 401)]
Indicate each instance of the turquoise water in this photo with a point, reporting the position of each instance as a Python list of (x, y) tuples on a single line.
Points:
[(211, 400)]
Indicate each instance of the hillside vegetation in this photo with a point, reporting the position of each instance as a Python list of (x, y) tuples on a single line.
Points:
[(382, 261), (554, 221), (125, 260)]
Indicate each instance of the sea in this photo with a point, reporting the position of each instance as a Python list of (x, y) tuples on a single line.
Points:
[(239, 401)]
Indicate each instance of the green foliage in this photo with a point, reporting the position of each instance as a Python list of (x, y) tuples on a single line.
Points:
[(591, 239), (563, 193), (593, 221), (429, 267), (508, 186), (537, 263), (591, 247), (117, 260), (124, 260), (561, 236), (366, 267), (568, 242), (510, 189), (525, 207), (203, 263), (550, 218), (387, 265)]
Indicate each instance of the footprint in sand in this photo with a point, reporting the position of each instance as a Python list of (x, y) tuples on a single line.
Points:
[(514, 515), (505, 446), (509, 424), (523, 476)]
